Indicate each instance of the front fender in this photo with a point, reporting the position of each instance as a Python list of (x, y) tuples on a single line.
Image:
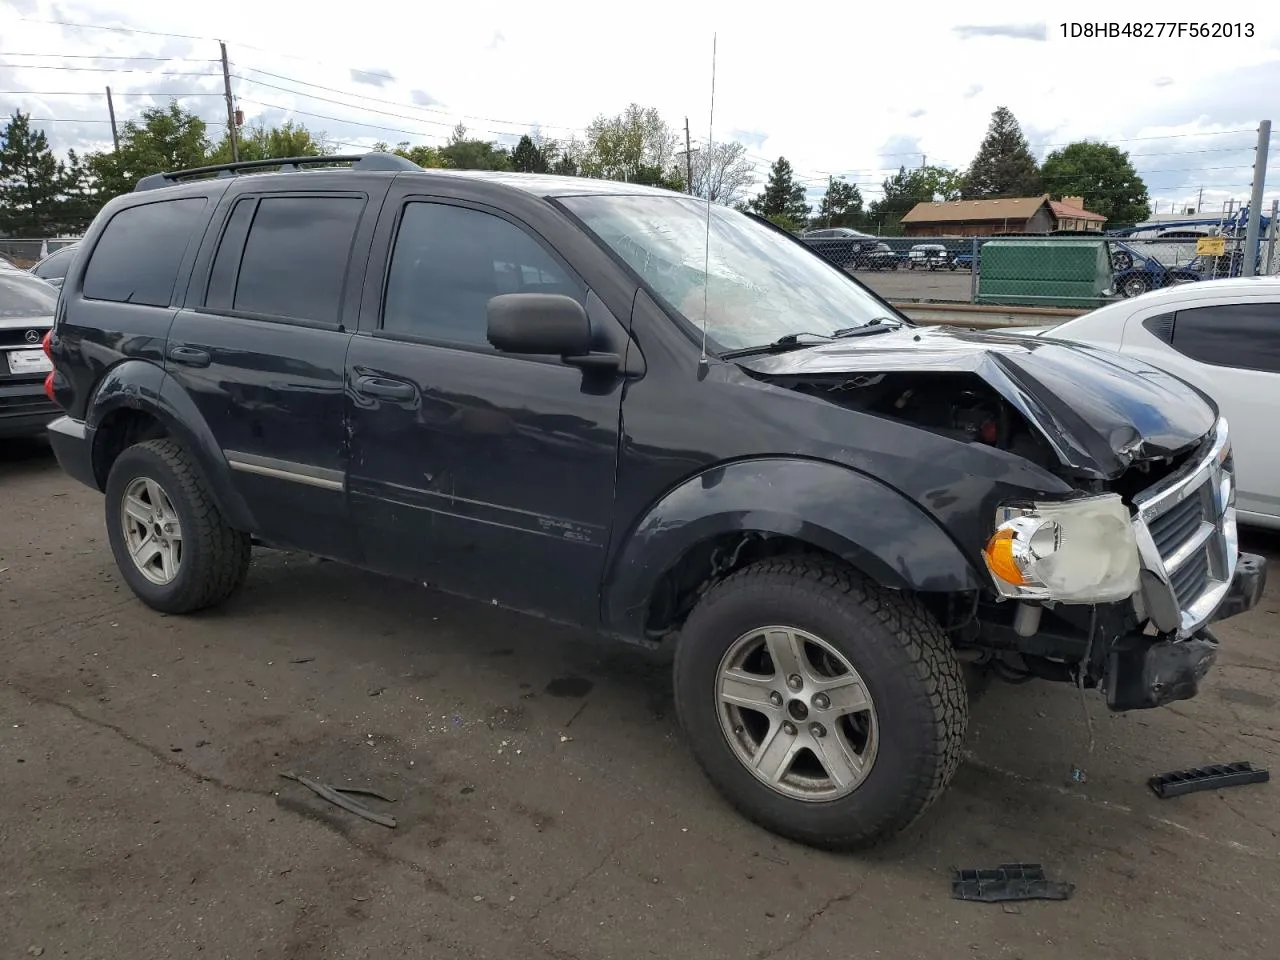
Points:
[(145, 387), (846, 513)]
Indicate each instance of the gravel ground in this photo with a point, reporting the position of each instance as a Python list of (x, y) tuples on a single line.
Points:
[(546, 804)]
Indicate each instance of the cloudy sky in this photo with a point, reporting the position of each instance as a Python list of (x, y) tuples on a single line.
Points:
[(835, 89)]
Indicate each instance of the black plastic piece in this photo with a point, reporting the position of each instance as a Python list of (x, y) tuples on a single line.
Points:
[(1247, 586), (1009, 881), (1142, 673), (1213, 777), (359, 161)]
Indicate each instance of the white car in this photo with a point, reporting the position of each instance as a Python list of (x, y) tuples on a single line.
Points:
[(1222, 336)]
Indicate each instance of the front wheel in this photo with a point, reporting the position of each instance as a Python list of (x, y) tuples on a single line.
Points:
[(825, 708), (170, 542), (1134, 286)]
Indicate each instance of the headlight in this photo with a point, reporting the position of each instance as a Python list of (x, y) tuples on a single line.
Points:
[(1079, 551)]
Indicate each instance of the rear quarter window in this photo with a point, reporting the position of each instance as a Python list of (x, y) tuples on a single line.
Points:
[(137, 258)]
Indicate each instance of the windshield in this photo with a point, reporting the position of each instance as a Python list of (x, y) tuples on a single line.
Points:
[(760, 285), (25, 296)]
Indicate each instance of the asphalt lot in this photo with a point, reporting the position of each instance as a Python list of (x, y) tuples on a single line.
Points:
[(904, 284), (547, 806)]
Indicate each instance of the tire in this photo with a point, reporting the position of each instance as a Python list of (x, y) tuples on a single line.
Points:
[(1134, 286), (211, 558), (900, 658)]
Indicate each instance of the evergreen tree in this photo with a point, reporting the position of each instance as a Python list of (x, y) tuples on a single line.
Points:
[(78, 202), (31, 181), (783, 200), (841, 205), (1004, 166), (528, 157)]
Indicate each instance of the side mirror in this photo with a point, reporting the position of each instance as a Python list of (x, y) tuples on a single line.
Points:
[(539, 323)]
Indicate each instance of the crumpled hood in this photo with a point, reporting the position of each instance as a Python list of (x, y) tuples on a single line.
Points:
[(1099, 410)]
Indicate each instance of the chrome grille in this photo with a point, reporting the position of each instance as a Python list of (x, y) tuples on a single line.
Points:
[(1186, 531)]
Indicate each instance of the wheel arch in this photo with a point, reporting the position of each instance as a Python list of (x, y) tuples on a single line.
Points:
[(733, 514), (135, 401)]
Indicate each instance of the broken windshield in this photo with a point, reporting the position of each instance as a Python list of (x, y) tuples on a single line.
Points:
[(760, 285)]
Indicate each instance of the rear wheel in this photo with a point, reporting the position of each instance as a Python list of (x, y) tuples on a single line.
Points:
[(823, 707), (171, 544)]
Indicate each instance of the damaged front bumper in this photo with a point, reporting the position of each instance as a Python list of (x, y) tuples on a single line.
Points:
[(1144, 672)]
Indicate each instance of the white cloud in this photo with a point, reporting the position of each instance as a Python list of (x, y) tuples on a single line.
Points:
[(504, 66)]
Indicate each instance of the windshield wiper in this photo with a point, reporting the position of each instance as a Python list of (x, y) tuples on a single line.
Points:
[(792, 341), (878, 325), (789, 341)]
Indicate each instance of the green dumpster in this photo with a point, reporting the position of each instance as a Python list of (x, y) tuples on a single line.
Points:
[(1066, 272)]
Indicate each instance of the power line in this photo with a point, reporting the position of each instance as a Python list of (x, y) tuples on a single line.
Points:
[(332, 119), (187, 36), (98, 56), (96, 93), (103, 26), (150, 73), (393, 103)]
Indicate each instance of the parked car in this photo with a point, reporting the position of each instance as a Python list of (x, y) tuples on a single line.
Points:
[(1223, 336), (530, 390), (843, 246), (53, 268), (1136, 273), (26, 314), (882, 257), (929, 256)]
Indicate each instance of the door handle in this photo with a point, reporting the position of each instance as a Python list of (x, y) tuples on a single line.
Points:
[(189, 356), (383, 389)]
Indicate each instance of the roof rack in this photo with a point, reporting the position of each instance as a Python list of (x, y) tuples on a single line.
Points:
[(358, 161)]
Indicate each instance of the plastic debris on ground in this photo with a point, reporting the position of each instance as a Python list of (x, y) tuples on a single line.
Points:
[(1213, 777), (1009, 881)]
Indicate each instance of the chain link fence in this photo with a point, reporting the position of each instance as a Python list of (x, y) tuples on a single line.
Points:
[(26, 252), (1071, 270)]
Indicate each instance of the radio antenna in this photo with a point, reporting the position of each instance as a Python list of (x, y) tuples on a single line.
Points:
[(706, 245)]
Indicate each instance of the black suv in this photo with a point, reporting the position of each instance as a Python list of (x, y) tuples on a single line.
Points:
[(557, 395)]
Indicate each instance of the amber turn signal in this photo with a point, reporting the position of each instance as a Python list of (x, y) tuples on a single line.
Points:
[(999, 556)]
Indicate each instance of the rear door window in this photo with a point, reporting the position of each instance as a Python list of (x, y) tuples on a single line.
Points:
[(286, 257), (1241, 335), (137, 258)]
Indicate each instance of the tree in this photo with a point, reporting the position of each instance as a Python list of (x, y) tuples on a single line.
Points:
[(1003, 166), (841, 205), (783, 200), (906, 188), (166, 138), (529, 157), (1103, 175), (31, 181), (424, 156), (636, 146), (464, 153), (721, 172), (260, 143), (566, 160), (78, 201)]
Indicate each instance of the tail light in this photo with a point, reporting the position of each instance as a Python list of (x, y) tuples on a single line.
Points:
[(48, 387), (46, 344)]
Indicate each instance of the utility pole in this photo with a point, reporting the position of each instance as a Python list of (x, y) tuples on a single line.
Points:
[(1199, 198), (1250, 265), (924, 160), (231, 108), (111, 112), (688, 158)]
